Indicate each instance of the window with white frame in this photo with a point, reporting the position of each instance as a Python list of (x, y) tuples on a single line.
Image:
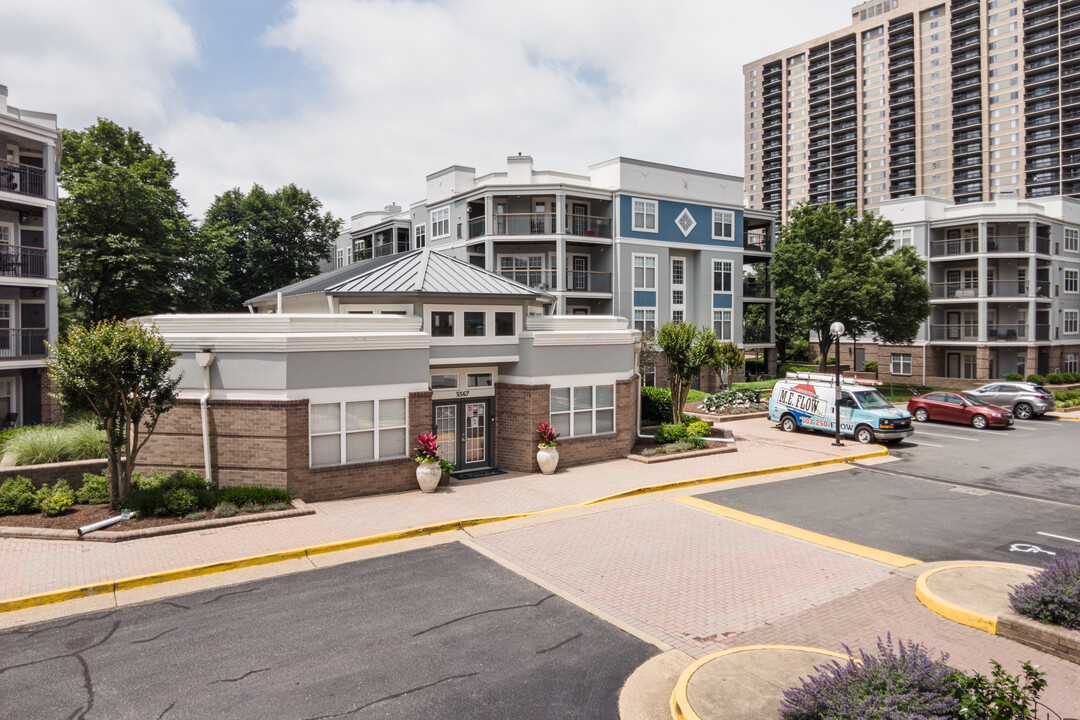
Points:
[(904, 237), (901, 364), (440, 223), (7, 396), (350, 432), (1070, 363), (1072, 322), (420, 236), (340, 257), (644, 215), (1072, 281), (721, 276), (645, 320), (721, 320), (723, 225), (1072, 239), (678, 289), (7, 233), (524, 269), (583, 410), (644, 272)]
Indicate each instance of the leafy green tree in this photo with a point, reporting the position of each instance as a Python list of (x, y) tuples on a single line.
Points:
[(125, 239), (832, 265), (122, 374), (729, 358), (266, 240), (688, 348)]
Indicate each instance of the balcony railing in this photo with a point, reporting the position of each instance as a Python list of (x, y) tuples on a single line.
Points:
[(995, 332), (757, 243), (756, 289), (588, 226), (23, 343), (525, 224), (539, 279), (24, 179), (757, 335), (588, 281), (968, 289), (20, 261), (955, 331), (541, 224), (1012, 244)]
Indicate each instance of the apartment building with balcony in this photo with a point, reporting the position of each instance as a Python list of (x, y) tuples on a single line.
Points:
[(30, 147), (637, 239), (1005, 282), (951, 99)]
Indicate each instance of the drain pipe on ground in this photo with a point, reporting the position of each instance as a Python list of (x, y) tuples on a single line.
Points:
[(205, 359)]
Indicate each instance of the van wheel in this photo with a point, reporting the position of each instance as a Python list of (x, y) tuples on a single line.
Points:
[(921, 415), (788, 424), (864, 435), (979, 422)]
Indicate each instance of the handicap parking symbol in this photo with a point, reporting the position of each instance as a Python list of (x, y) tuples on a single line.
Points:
[(1028, 548)]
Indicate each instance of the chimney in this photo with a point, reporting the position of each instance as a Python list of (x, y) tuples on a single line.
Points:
[(392, 209), (519, 169), (1006, 192)]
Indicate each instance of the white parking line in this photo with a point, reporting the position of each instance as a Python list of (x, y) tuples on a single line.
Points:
[(1059, 537), (912, 442), (954, 437), (1017, 427)]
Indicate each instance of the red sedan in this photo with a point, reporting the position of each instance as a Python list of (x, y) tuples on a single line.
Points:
[(958, 407)]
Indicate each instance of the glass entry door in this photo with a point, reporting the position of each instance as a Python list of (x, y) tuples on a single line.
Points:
[(464, 431)]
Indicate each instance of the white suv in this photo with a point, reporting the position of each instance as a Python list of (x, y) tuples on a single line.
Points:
[(1027, 400)]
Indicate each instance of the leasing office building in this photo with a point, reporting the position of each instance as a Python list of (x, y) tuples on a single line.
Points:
[(641, 240)]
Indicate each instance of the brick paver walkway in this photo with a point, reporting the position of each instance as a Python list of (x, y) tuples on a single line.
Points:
[(34, 566), (704, 583)]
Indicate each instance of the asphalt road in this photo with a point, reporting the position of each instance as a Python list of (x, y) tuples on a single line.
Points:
[(436, 633), (955, 494)]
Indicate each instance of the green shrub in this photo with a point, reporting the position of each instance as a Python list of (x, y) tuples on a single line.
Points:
[(870, 366), (798, 350), (1056, 379), (698, 443), (251, 508), (56, 499), (1072, 377), (253, 494), (655, 405), (698, 428), (1035, 378), (1014, 376), (649, 452), (669, 433), (225, 510), (197, 515), (679, 446), (85, 441), (726, 400), (1003, 698), (94, 490), (277, 506), (180, 501), (147, 496), (57, 443), (18, 497)]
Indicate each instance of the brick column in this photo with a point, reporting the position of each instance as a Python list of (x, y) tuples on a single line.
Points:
[(982, 362)]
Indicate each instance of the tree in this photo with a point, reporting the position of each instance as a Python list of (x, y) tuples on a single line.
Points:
[(125, 239), (121, 373), (266, 240), (729, 358), (832, 265), (688, 348)]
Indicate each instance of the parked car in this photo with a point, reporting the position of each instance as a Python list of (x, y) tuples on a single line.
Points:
[(959, 407), (1026, 399)]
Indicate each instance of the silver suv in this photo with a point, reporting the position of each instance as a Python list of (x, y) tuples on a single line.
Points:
[(1027, 400)]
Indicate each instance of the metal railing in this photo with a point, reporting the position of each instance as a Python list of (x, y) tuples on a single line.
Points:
[(541, 224), (588, 226), (756, 289), (525, 224), (995, 332), (591, 281), (23, 342), (1006, 331), (955, 331), (21, 261), (25, 179), (539, 279), (757, 334)]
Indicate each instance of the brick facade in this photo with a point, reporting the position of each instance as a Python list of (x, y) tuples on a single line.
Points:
[(48, 474)]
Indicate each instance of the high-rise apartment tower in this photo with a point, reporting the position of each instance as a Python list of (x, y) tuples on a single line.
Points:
[(953, 100)]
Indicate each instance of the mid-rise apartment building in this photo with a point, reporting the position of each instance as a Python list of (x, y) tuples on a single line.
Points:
[(642, 240), (952, 99), (1005, 291), (30, 143)]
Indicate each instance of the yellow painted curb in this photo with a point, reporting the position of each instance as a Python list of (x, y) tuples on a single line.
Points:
[(952, 611), (74, 593), (680, 703), (850, 548)]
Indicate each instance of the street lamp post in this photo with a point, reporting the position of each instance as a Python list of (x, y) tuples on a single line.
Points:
[(836, 330)]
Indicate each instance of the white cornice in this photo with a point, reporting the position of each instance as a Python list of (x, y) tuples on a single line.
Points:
[(554, 338), (288, 342)]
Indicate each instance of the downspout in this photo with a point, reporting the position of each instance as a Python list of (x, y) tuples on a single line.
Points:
[(279, 303), (923, 364), (205, 358)]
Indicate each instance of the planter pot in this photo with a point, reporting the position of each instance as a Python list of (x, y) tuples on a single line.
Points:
[(428, 476), (547, 458)]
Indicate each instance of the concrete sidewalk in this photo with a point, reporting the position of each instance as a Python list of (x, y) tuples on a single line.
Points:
[(29, 567)]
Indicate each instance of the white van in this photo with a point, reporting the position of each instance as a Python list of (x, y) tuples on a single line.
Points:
[(807, 400)]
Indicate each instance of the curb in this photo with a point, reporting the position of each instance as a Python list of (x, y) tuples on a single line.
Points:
[(952, 611), (83, 591), (798, 533), (112, 536), (680, 703)]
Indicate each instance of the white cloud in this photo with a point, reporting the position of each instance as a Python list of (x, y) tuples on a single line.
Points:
[(410, 87)]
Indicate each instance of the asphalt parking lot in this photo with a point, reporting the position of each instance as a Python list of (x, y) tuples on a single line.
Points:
[(441, 632), (954, 493)]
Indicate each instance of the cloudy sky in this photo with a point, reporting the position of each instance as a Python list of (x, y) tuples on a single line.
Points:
[(358, 100)]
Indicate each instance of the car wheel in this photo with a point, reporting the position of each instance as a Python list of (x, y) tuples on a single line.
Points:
[(979, 422), (1023, 411), (788, 424), (921, 415), (864, 435)]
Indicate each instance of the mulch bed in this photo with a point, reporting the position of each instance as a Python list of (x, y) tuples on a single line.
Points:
[(699, 408), (79, 515)]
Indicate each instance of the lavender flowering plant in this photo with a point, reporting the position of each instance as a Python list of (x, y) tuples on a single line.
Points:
[(1052, 596)]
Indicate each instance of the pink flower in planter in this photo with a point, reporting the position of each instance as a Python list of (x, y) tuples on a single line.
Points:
[(428, 449), (548, 436)]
